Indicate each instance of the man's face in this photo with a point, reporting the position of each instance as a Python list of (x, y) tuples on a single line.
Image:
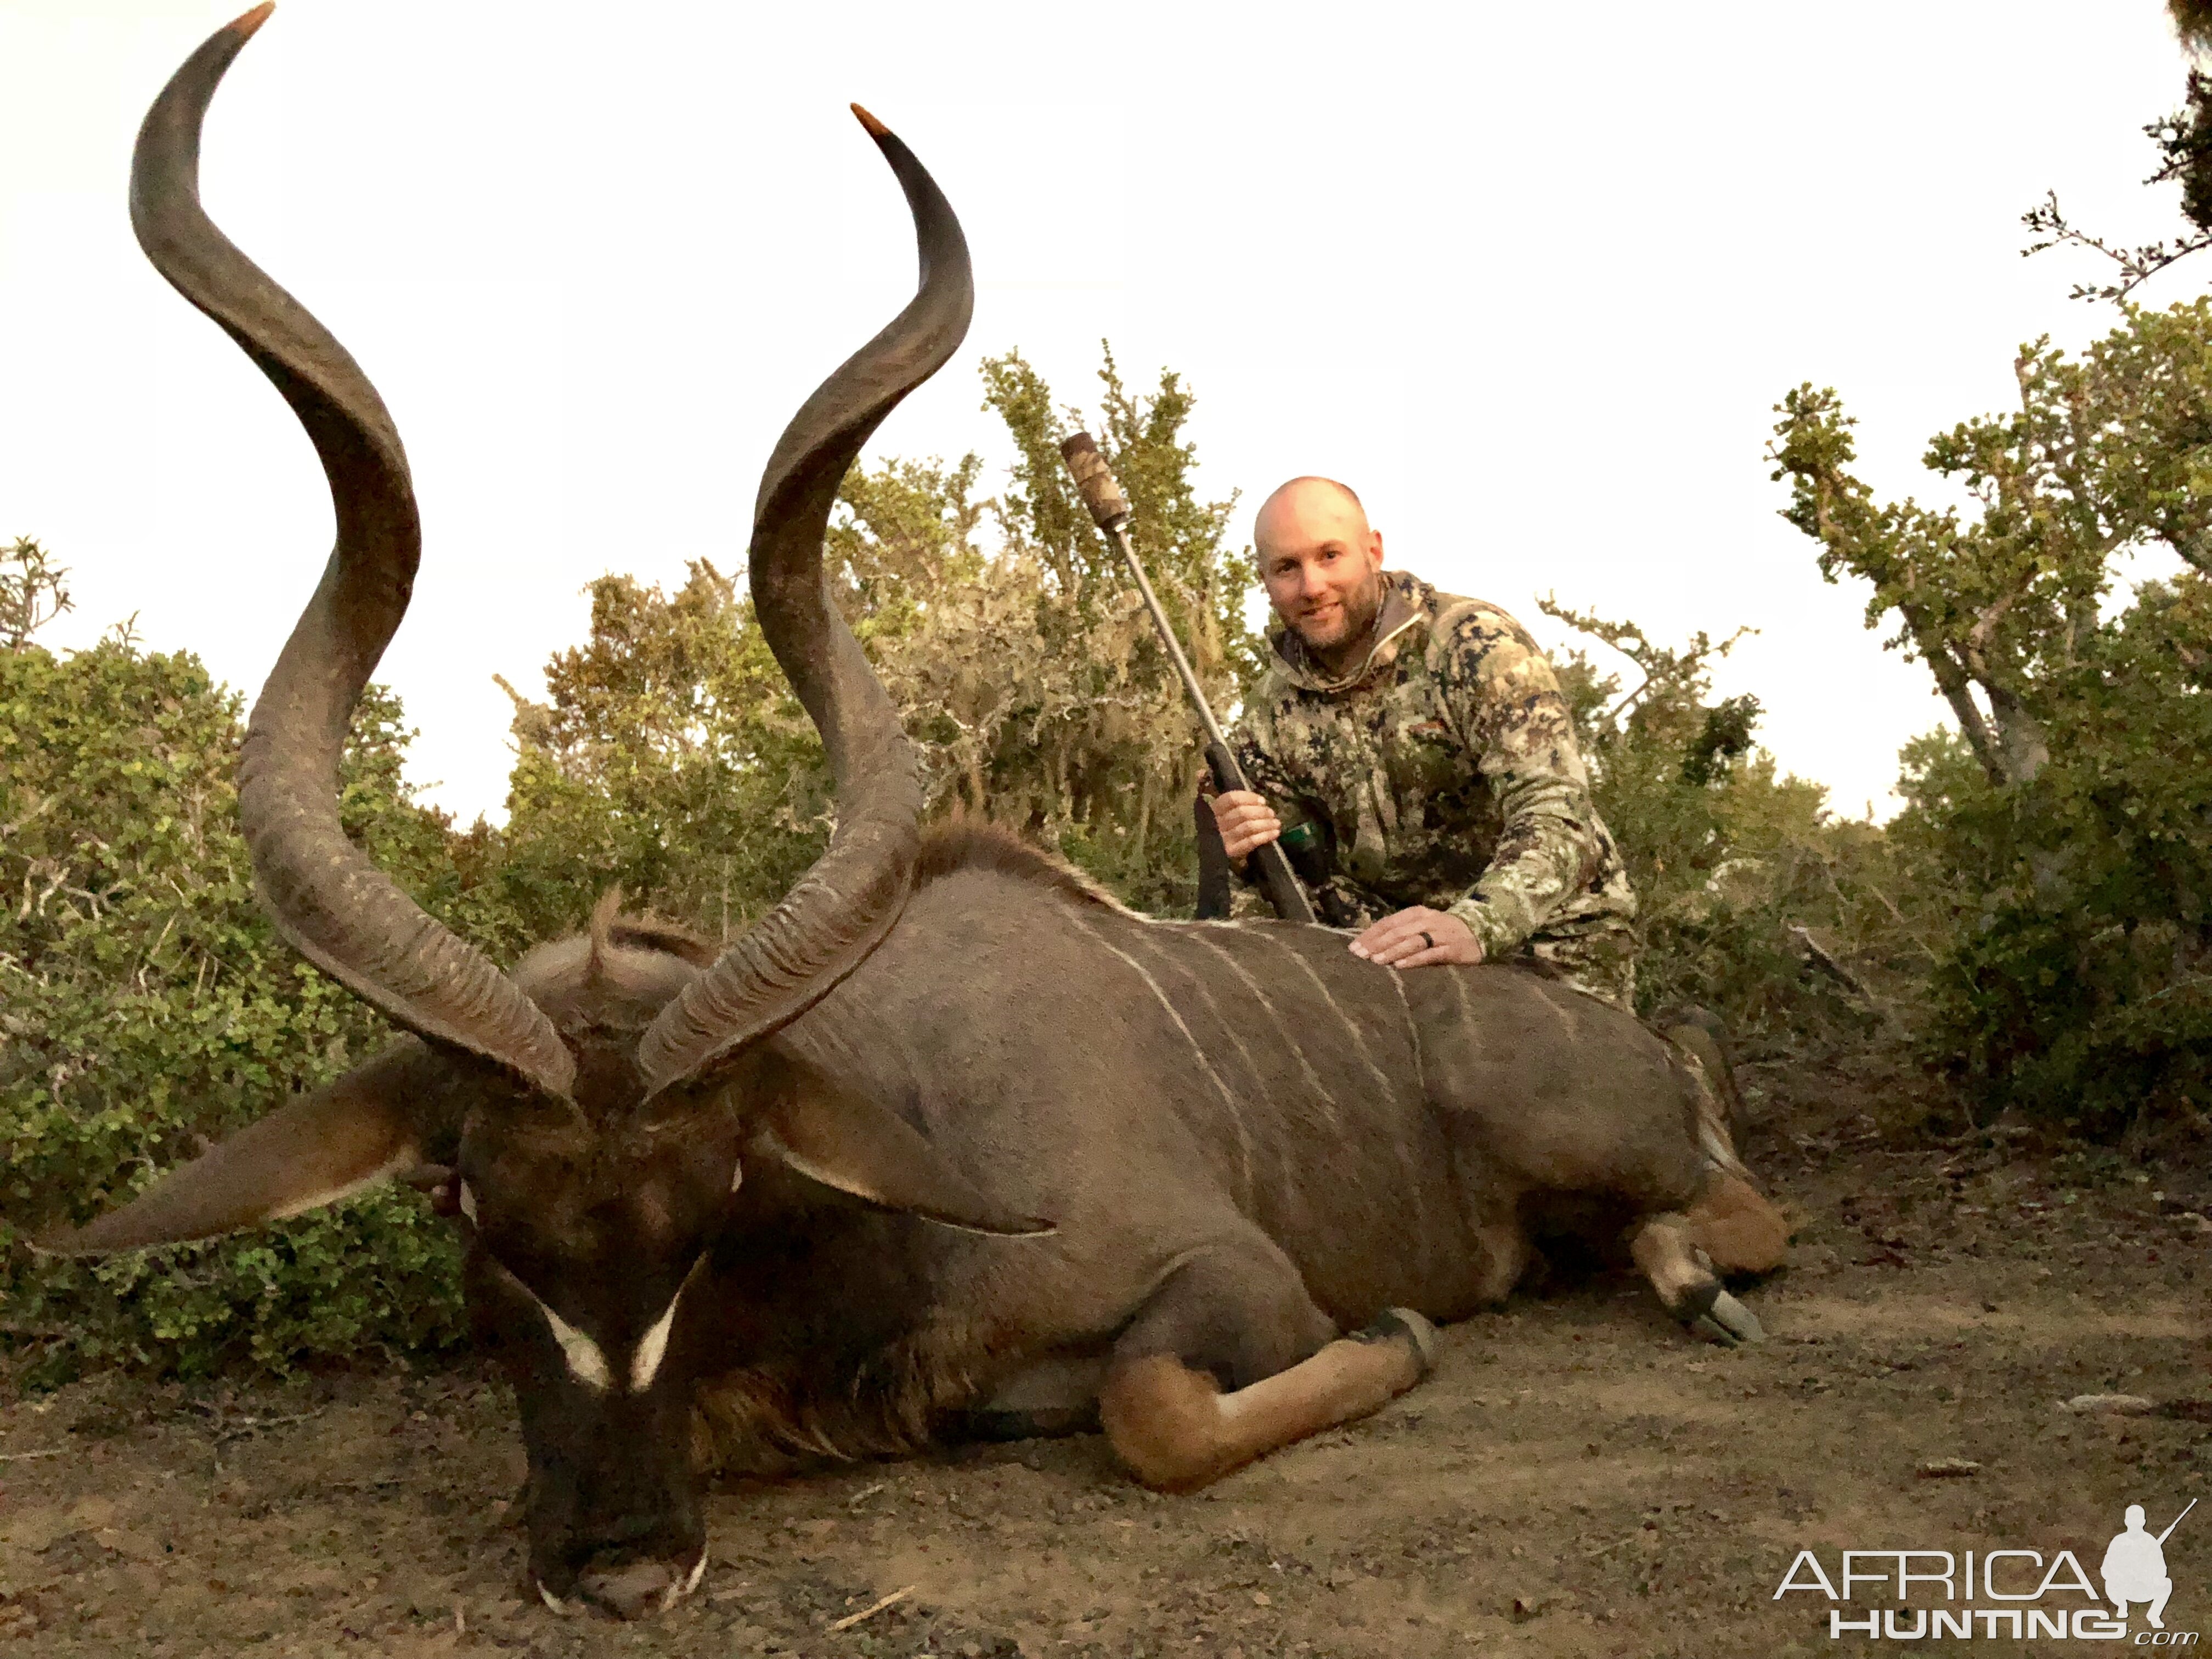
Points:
[(1322, 566)]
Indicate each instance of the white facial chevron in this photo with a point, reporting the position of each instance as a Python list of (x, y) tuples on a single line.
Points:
[(586, 1364), (653, 1348), (588, 1361)]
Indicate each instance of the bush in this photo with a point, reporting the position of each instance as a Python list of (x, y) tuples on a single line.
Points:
[(1753, 900), (2063, 840), (146, 1006), (2076, 982)]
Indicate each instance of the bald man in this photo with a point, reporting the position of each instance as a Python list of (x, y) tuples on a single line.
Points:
[(1420, 742), (1423, 740)]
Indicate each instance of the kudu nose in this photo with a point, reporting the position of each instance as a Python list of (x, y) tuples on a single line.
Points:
[(634, 1590)]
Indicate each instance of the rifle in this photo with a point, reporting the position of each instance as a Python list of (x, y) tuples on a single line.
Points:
[(1110, 508), (2175, 1521)]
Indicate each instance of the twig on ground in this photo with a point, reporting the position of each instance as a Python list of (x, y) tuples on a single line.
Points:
[(223, 1428), (852, 1618), (17, 1457)]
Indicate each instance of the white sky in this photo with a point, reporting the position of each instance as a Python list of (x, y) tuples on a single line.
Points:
[(1529, 278)]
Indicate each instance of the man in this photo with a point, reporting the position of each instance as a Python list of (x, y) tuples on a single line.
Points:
[(1423, 739), (2135, 1567), (1417, 745)]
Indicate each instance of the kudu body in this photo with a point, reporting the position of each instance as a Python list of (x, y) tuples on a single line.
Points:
[(949, 1130)]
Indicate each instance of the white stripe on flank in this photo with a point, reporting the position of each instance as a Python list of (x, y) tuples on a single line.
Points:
[(1251, 1067), (1412, 1035), (1290, 1038), (1243, 1139), (653, 1346), (1413, 1187), (1358, 1037)]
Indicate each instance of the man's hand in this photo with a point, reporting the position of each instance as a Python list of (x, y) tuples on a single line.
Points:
[(1247, 822), (1419, 937)]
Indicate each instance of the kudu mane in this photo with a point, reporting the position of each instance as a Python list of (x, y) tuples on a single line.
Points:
[(962, 844)]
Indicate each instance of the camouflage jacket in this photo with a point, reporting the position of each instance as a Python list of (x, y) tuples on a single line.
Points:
[(1441, 771)]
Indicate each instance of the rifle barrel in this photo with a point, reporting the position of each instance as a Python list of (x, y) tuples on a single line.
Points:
[(1109, 509), (2175, 1521)]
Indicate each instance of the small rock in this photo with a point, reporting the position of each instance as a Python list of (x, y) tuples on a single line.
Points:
[(1948, 1468), (1529, 1603), (2112, 1405)]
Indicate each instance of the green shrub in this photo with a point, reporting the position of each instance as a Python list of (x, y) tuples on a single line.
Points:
[(146, 1006), (1753, 900), (2077, 983), (2064, 839)]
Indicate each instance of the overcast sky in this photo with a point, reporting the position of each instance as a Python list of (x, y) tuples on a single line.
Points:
[(1529, 278)]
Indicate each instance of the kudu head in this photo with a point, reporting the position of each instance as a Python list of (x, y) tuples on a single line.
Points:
[(596, 1107)]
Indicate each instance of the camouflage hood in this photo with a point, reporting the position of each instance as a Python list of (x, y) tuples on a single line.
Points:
[(1406, 600)]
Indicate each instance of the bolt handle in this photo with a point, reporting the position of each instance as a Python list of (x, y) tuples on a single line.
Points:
[(1108, 507)]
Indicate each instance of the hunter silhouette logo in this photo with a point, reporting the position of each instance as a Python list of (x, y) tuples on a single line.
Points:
[(1998, 1594), (2135, 1566)]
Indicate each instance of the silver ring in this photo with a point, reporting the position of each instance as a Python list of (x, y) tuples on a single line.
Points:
[(1426, 940)]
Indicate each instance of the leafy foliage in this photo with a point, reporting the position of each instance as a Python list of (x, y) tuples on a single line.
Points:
[(145, 1004), (2066, 837), (1752, 899), (671, 757), (32, 592), (2185, 150)]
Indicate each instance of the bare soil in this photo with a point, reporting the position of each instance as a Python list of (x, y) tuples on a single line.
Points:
[(1579, 1478)]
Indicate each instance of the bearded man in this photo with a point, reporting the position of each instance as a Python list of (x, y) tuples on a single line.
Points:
[(1417, 745), (1422, 741)]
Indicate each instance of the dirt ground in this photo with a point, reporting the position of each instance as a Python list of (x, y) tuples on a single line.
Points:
[(1577, 1478)]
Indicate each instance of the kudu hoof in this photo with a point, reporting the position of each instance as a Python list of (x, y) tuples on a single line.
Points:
[(1412, 1328), (638, 1589), (1711, 1312)]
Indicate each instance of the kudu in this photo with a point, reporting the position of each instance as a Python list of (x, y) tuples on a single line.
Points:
[(950, 1130)]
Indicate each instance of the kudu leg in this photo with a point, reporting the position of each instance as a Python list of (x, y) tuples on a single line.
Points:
[(1663, 1248), (1244, 1319), (1734, 1225), (1731, 1221)]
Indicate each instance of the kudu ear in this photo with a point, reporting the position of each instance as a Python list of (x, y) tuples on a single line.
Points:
[(842, 1140), (339, 1140)]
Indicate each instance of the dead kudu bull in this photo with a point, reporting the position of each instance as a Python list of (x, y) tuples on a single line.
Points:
[(782, 1200)]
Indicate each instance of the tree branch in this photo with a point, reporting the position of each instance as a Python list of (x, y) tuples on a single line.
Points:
[(2138, 265)]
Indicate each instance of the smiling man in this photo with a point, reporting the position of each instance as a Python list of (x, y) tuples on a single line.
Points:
[(1418, 745)]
